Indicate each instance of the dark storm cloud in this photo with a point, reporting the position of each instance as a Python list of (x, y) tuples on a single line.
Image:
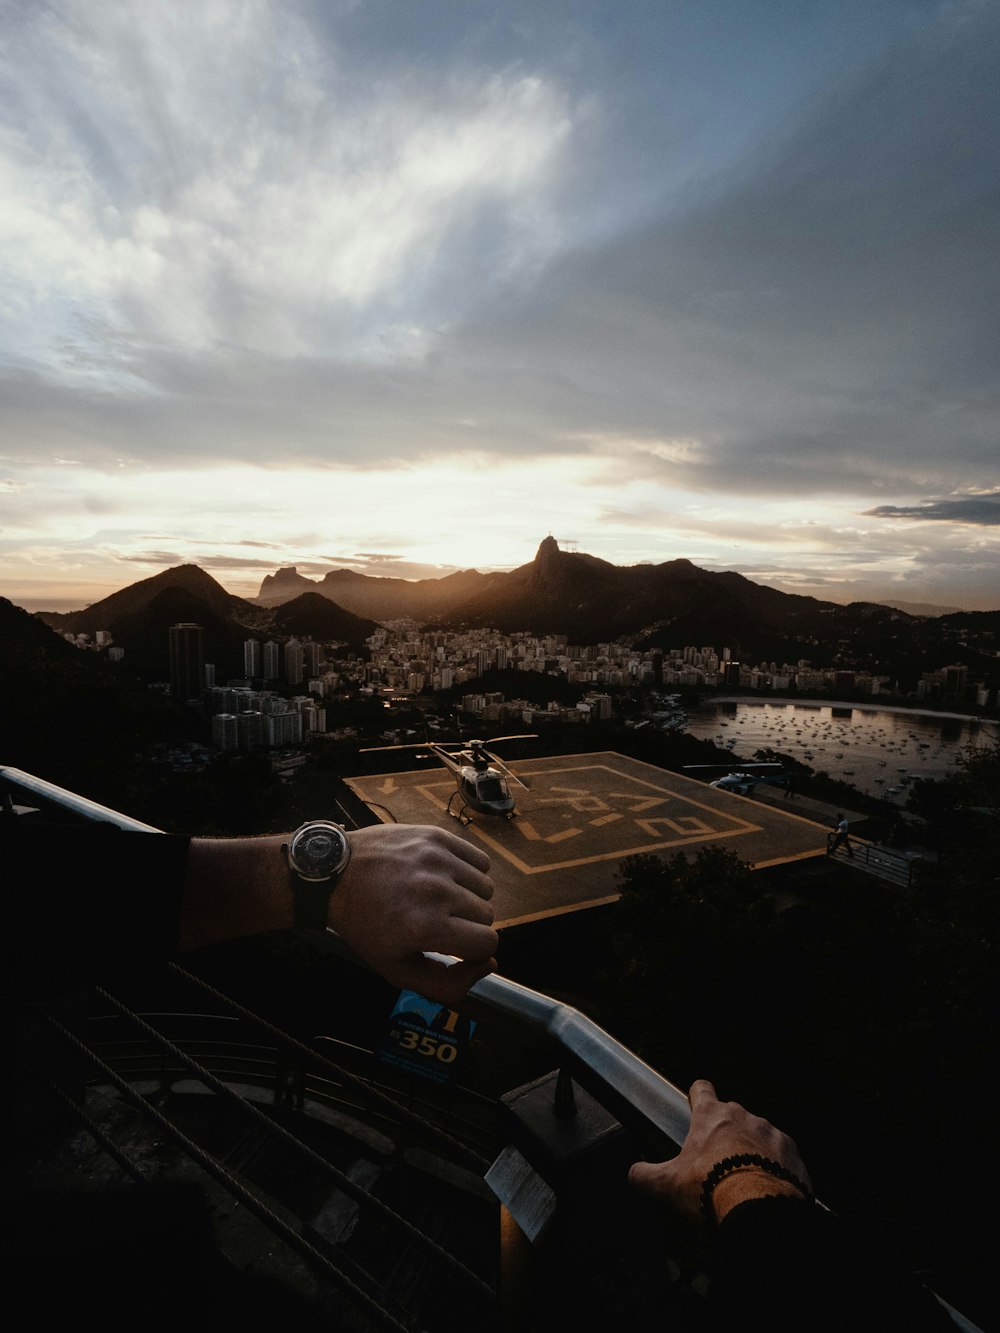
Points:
[(821, 318), (826, 319), (983, 511)]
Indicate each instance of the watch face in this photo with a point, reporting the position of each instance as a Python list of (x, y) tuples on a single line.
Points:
[(319, 850)]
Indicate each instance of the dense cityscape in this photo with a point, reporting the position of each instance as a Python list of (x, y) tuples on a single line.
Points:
[(405, 661)]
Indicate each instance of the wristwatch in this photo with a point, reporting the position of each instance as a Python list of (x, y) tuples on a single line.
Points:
[(317, 853)]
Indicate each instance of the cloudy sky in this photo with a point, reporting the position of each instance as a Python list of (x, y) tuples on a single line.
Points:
[(405, 285)]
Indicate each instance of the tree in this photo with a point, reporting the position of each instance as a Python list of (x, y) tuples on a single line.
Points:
[(684, 935)]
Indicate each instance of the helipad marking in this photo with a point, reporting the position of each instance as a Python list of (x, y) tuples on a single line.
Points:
[(666, 832), (577, 798), (526, 869), (434, 800), (686, 824), (643, 803), (527, 828)]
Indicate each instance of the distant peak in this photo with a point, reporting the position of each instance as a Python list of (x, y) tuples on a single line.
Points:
[(547, 549)]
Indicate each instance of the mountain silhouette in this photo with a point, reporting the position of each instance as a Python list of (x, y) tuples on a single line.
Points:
[(28, 643), (591, 601), (139, 617), (120, 612), (588, 599), (315, 616)]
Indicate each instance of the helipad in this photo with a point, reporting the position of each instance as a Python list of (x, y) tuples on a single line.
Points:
[(581, 816)]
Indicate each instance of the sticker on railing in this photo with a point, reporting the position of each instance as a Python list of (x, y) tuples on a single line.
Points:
[(426, 1038)]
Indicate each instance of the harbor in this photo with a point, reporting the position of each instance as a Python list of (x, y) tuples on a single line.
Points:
[(879, 750)]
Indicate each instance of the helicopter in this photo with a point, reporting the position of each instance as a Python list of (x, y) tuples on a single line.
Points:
[(482, 779), (741, 780)]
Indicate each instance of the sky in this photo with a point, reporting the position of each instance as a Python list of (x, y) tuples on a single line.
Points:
[(404, 286)]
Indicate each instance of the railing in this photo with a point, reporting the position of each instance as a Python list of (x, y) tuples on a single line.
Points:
[(641, 1099), (604, 1064), (873, 859)]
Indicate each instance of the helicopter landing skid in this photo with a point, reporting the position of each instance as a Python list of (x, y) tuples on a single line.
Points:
[(460, 815)]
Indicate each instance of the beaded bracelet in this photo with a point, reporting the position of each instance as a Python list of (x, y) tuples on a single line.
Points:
[(728, 1164)]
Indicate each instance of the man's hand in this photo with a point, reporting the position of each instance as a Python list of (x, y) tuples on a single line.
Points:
[(408, 890), (718, 1130)]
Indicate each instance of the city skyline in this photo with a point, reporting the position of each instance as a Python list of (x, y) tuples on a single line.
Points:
[(403, 288)]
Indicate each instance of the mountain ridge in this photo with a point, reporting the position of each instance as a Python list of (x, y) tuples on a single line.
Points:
[(588, 599)]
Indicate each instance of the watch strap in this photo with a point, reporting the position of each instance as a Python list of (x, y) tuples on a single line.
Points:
[(311, 902)]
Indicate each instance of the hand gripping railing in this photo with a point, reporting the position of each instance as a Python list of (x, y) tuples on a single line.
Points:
[(587, 1050)]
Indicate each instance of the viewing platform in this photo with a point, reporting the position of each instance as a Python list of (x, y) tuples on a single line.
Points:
[(293, 1171)]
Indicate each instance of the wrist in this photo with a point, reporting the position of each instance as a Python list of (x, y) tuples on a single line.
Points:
[(746, 1184), (317, 853), (744, 1176)]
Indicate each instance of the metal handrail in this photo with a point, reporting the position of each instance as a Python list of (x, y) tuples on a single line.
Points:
[(889, 864), (71, 802), (594, 1054)]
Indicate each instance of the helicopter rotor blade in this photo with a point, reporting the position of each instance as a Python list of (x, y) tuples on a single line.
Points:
[(379, 749), (509, 773)]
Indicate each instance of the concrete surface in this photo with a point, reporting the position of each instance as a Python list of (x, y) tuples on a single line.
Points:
[(582, 815)]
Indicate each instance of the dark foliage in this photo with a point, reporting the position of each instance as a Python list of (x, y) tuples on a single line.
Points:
[(858, 1016)]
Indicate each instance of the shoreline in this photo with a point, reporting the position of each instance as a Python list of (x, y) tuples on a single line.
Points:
[(865, 707)]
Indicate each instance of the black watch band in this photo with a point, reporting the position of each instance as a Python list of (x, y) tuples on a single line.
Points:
[(317, 855), (311, 900)]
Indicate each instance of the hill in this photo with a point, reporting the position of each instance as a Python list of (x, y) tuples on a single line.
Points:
[(139, 616), (377, 598), (119, 612), (314, 616), (73, 718), (667, 605), (28, 643), (590, 600)]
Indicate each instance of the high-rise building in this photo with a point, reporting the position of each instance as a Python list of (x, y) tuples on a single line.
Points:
[(251, 729), (314, 718), (225, 731), (251, 657), (955, 678), (294, 662), (187, 663), (284, 729), (270, 660)]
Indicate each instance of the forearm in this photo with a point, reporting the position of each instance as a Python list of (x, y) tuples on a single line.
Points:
[(234, 887), (83, 900), (405, 892), (787, 1264)]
